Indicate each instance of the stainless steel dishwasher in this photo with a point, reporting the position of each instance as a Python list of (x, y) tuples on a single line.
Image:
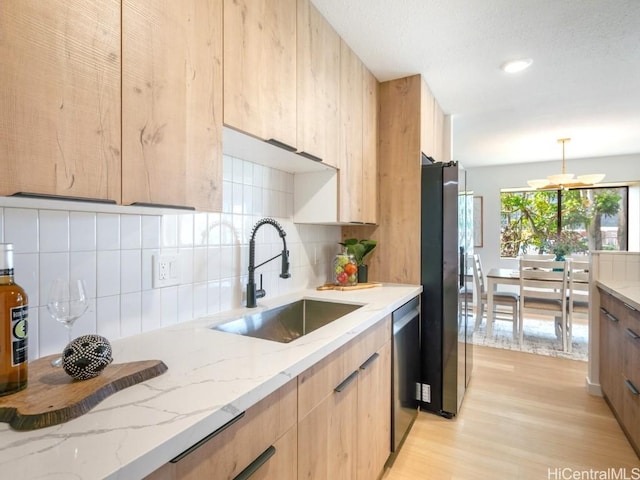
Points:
[(405, 376)]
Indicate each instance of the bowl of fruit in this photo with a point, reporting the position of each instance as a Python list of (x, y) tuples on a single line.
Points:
[(345, 270)]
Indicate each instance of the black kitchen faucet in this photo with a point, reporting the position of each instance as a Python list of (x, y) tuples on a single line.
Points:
[(252, 293)]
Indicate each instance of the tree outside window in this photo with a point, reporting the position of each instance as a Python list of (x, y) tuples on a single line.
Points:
[(580, 219)]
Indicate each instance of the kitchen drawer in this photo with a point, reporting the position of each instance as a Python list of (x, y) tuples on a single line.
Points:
[(630, 348), (283, 462), (630, 403), (610, 351), (230, 451), (371, 341), (318, 381), (612, 304)]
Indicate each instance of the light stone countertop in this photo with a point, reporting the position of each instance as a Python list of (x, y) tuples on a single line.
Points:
[(628, 292), (212, 377)]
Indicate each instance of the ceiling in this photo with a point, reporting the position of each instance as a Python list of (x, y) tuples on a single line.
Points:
[(584, 82)]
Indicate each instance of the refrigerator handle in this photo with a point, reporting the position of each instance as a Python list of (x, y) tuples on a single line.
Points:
[(462, 269)]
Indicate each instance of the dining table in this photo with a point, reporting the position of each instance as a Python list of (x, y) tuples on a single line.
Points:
[(495, 277)]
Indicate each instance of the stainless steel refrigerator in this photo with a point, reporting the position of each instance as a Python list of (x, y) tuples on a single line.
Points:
[(446, 241)]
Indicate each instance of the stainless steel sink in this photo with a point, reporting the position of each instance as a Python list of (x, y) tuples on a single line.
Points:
[(288, 322)]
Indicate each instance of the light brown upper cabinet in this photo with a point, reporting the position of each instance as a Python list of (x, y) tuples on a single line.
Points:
[(172, 103), (406, 129), (427, 114), (260, 68), (350, 164), (60, 107), (433, 136), (318, 65), (369, 148)]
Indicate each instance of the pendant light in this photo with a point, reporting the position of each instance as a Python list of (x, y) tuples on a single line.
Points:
[(565, 180)]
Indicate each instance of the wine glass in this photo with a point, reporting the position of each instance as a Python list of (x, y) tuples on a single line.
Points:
[(66, 303)]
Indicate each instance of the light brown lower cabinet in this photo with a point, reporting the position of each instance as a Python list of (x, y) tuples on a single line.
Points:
[(262, 441), (332, 422), (374, 414), (620, 363), (344, 426), (327, 436)]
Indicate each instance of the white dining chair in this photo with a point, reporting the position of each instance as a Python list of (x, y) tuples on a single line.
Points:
[(543, 291), (537, 256), (578, 294), (506, 299)]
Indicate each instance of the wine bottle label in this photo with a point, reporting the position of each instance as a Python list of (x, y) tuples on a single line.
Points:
[(19, 348), (6, 272)]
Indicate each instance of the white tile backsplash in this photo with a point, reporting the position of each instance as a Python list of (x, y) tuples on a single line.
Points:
[(200, 299), (108, 231), (169, 306), (84, 266), (113, 252), (236, 198), (82, 231), (21, 229), (247, 173), (151, 310), (108, 273), (130, 314), (130, 232), (53, 231), (238, 170), (185, 303), (151, 231), (52, 266), (130, 271), (169, 231), (185, 230), (227, 168), (108, 316)]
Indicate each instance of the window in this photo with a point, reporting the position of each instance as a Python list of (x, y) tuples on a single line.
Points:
[(586, 218)]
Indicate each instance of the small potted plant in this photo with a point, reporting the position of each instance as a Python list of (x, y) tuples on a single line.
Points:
[(563, 244), (360, 249)]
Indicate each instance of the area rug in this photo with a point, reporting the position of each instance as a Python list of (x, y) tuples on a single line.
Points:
[(539, 338)]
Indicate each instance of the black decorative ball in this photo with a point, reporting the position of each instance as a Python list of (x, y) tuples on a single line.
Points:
[(86, 356)]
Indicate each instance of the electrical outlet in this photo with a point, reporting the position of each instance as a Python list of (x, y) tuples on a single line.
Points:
[(166, 270)]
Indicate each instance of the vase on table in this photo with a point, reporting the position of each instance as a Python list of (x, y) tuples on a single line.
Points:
[(363, 273)]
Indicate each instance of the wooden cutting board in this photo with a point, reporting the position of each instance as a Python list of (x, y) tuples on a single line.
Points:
[(53, 397), (357, 286)]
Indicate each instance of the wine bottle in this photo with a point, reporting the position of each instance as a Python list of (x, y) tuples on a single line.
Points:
[(14, 313)]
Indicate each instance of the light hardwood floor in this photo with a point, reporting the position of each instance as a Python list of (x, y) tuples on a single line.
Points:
[(523, 417)]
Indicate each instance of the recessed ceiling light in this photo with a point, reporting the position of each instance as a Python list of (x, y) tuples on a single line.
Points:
[(516, 65)]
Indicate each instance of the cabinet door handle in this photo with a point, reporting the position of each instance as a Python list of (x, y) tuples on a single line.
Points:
[(256, 464), (632, 388), (207, 438), (346, 382), (369, 361), (631, 333), (629, 306), (163, 205), (278, 143), (309, 156), (608, 315), (48, 196)]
